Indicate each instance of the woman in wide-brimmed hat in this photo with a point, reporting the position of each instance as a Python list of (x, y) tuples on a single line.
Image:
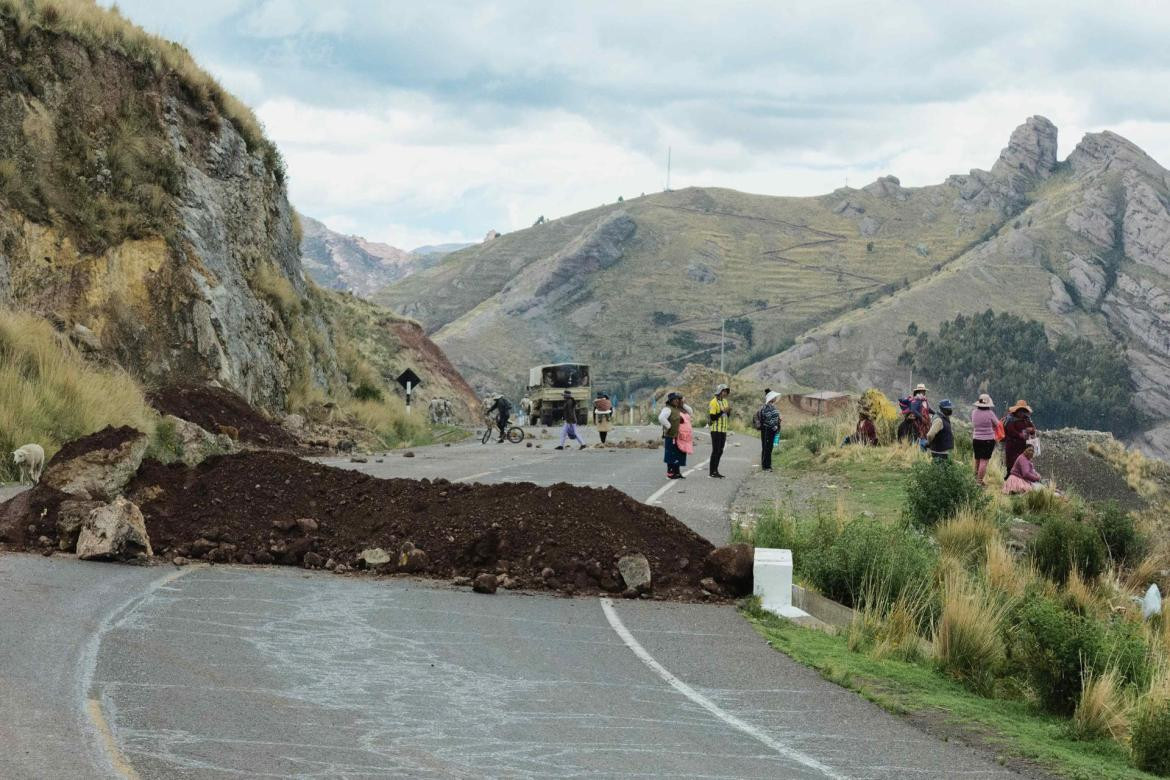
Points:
[(983, 424), (1017, 429), (674, 419)]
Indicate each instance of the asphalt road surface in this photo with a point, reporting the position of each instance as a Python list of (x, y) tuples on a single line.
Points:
[(216, 672)]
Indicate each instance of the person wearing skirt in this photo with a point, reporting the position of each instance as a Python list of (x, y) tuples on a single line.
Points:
[(983, 423)]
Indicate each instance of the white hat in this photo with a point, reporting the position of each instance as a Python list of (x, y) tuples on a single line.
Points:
[(772, 396)]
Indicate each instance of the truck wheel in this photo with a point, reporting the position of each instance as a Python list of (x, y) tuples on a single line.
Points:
[(546, 419)]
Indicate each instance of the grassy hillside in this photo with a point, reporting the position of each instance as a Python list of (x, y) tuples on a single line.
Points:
[(692, 258)]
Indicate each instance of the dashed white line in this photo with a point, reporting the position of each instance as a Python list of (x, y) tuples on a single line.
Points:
[(736, 723), (475, 476), (660, 492)]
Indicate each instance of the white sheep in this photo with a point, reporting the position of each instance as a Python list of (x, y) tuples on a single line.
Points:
[(31, 459)]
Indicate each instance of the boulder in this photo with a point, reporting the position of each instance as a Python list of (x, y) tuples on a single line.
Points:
[(194, 444), (485, 583), (375, 556), (731, 567), (115, 531), (99, 473), (293, 422), (635, 571), (71, 515), (85, 339)]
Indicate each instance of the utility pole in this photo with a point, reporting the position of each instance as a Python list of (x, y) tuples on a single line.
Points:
[(722, 340), (668, 169)]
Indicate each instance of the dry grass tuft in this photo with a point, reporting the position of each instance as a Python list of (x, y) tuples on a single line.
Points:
[(49, 394), (967, 535), (1080, 595), (1104, 708), (968, 640)]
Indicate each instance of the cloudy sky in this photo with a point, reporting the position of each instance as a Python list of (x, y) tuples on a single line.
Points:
[(426, 122)]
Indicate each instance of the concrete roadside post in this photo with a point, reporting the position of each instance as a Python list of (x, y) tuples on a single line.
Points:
[(410, 382), (772, 577)]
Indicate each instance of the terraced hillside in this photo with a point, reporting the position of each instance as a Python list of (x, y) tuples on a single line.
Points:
[(640, 288)]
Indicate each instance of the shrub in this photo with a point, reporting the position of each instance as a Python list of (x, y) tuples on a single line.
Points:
[(968, 641), (868, 551), (1103, 709), (1119, 532), (1055, 646), (890, 630), (1065, 543), (937, 490), (1150, 738), (367, 392)]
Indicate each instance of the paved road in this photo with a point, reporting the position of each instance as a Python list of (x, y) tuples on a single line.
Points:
[(109, 671)]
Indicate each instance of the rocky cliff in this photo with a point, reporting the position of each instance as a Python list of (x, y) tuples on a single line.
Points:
[(143, 211)]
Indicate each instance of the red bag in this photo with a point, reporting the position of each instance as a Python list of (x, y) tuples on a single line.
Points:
[(1000, 433)]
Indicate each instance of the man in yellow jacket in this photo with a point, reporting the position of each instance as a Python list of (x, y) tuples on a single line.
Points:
[(719, 414)]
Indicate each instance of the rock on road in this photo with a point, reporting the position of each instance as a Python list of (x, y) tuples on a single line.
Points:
[(209, 672)]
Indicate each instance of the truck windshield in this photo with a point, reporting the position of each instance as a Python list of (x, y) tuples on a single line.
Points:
[(566, 376)]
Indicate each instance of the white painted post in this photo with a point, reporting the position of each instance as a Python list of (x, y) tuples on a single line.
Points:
[(772, 575), (408, 396)]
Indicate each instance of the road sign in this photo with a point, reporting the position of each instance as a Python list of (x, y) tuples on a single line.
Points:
[(409, 380)]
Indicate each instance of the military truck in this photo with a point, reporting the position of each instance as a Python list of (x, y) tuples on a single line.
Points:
[(546, 391)]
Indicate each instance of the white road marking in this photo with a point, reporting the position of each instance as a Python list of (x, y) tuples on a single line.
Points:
[(657, 494), (475, 476), (736, 723), (102, 738)]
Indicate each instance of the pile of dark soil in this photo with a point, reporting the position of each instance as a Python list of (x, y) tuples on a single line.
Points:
[(1065, 457), (243, 508), (30, 516), (108, 438), (213, 407)]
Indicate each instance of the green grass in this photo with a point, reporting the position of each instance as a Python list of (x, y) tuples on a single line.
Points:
[(1013, 729)]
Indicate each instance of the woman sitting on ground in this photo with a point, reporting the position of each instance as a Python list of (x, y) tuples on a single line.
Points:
[(1024, 478), (866, 432)]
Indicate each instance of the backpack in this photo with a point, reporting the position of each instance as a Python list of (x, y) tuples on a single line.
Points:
[(904, 405), (757, 421)]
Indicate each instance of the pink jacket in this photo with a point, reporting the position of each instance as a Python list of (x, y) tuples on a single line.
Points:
[(1024, 469), (983, 424), (685, 440)]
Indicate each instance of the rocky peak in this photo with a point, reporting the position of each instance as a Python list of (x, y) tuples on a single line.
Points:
[(1109, 152), (1030, 154)]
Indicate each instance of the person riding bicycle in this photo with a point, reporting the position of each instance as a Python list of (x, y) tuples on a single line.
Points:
[(503, 410)]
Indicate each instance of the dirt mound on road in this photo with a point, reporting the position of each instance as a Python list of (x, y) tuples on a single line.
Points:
[(212, 407), (244, 508), (108, 438)]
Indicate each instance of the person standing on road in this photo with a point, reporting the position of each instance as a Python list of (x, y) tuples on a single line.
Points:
[(941, 437), (569, 429), (603, 415), (984, 421), (671, 419), (1017, 429), (719, 413), (769, 429)]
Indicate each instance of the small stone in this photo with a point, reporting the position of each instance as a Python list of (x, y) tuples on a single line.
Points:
[(408, 454), (709, 585), (44, 541), (635, 571), (485, 583), (510, 583), (341, 569), (218, 555), (461, 582), (264, 558), (330, 564), (547, 573), (357, 459), (307, 525), (200, 547), (379, 460), (629, 593), (375, 556), (47, 552), (312, 560), (179, 560), (412, 561), (286, 525)]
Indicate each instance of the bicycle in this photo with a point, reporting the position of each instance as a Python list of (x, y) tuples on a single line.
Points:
[(515, 434)]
